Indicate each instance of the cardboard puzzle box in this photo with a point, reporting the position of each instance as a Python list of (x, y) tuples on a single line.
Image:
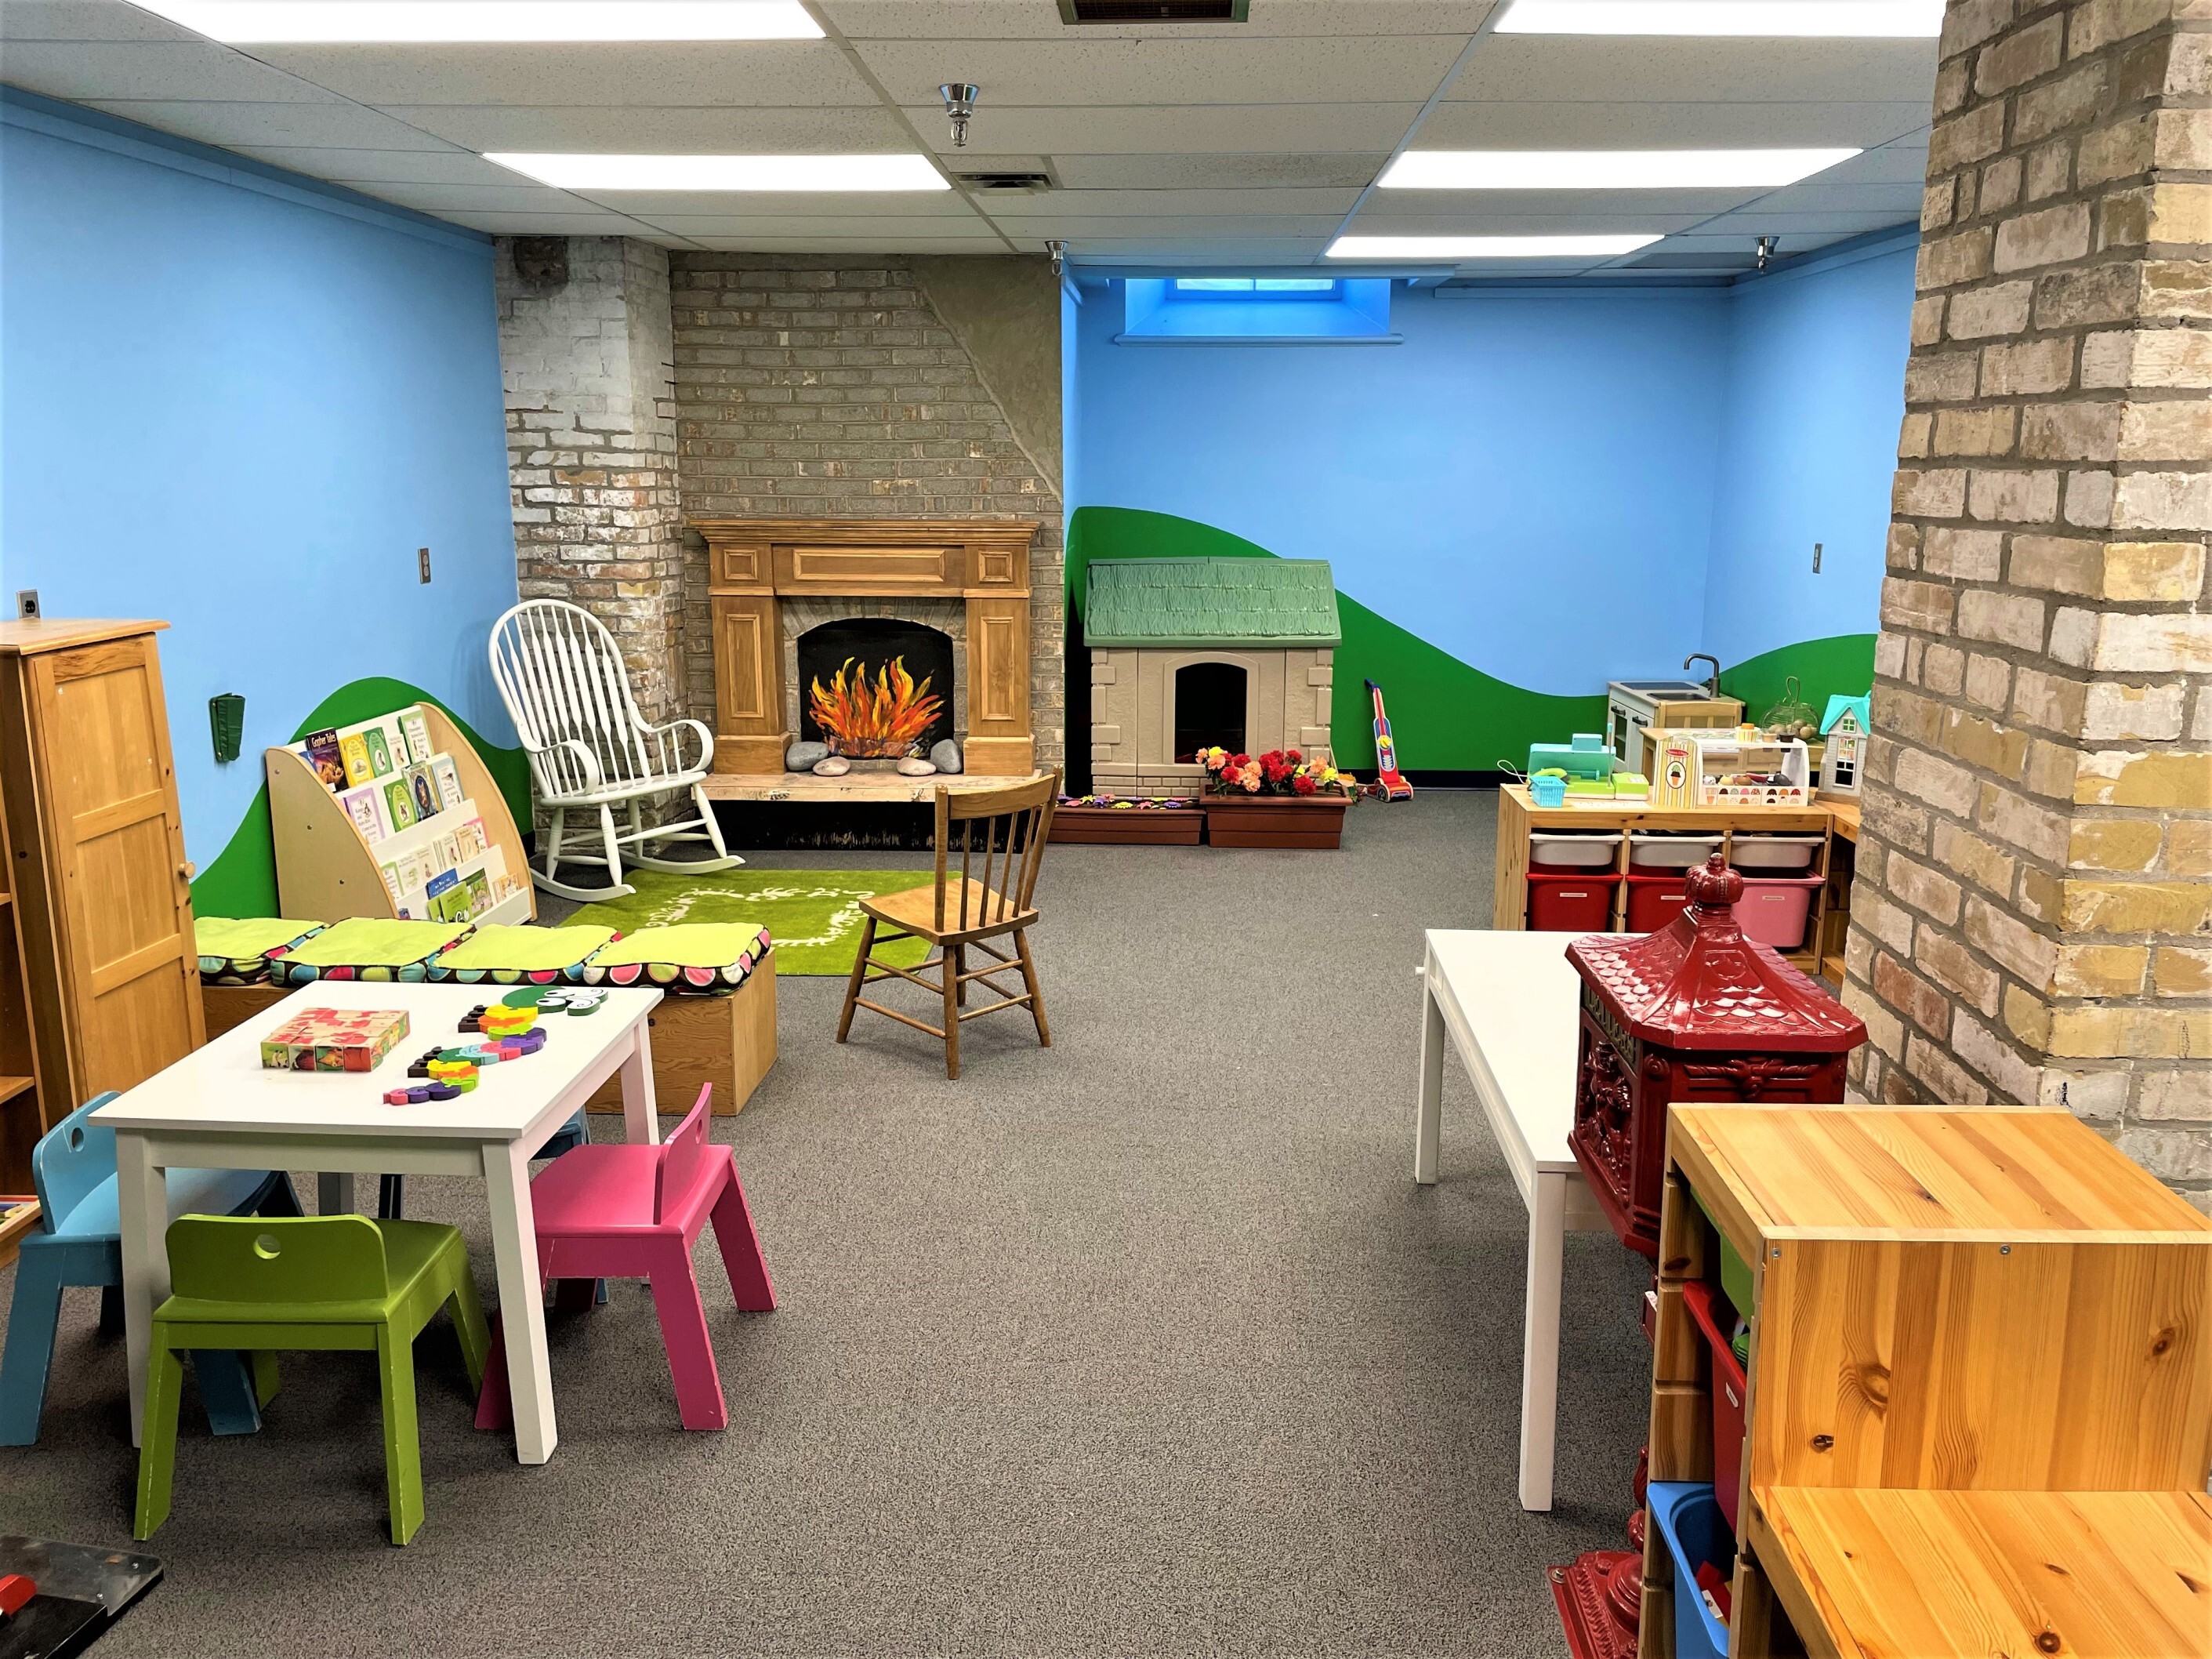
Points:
[(333, 1040)]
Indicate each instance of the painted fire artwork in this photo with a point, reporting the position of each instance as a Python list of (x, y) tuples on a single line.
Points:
[(865, 719)]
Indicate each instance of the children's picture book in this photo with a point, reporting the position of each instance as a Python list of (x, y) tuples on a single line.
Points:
[(447, 900), (353, 752), (469, 839), (448, 778), (415, 731), (321, 750), (424, 788), (389, 871), (399, 800), (478, 884), (367, 811), (379, 751)]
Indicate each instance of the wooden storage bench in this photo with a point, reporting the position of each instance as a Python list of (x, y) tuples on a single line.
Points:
[(729, 1042)]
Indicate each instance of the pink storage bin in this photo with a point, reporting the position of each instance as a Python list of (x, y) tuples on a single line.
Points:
[(1774, 911)]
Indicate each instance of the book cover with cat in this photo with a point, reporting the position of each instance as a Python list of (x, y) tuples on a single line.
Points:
[(321, 749), (425, 791)]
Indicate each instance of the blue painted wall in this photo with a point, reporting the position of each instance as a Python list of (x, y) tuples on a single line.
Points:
[(1812, 392), (239, 400), (1558, 488), (1526, 483)]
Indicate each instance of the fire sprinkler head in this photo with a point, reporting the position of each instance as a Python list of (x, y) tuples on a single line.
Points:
[(959, 103), (1059, 252)]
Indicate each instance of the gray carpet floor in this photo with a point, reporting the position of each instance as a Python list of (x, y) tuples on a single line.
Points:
[(1143, 1344)]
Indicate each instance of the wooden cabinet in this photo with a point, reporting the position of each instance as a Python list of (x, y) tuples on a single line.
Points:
[(1974, 1334), (98, 877)]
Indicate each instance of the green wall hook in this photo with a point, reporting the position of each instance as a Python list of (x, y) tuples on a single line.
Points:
[(226, 716)]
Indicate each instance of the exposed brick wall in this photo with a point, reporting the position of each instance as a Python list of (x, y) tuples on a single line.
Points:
[(2033, 918), (591, 449), (810, 385)]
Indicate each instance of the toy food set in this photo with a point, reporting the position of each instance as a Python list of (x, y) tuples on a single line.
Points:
[(333, 1040), (1792, 717), (1584, 756), (1582, 773), (1744, 768)]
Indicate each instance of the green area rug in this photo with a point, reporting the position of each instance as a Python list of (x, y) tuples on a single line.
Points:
[(812, 915)]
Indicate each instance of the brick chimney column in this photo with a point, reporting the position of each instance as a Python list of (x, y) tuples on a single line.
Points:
[(2033, 915)]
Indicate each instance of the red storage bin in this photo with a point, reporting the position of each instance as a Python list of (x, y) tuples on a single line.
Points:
[(1708, 1308), (1774, 911), (1570, 904), (1653, 901)]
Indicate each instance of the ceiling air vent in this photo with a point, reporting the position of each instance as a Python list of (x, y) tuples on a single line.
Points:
[(1154, 11), (1002, 183)]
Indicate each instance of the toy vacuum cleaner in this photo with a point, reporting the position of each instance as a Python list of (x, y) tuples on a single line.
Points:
[(1395, 787)]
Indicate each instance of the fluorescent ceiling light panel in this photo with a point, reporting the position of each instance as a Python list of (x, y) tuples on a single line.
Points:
[(727, 173), (1604, 169), (1773, 19), (1488, 247), (385, 21)]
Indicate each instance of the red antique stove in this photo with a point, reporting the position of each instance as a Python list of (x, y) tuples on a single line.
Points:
[(1693, 1013)]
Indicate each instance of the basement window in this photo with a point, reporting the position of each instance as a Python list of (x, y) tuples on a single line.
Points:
[(1256, 311)]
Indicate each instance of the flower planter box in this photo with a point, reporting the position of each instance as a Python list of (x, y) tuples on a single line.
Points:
[(1293, 821), (1128, 826)]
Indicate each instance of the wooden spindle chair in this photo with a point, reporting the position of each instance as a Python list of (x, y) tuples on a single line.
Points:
[(999, 832)]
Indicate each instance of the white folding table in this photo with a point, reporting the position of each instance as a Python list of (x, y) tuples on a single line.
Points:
[(218, 1108), (1508, 1001)]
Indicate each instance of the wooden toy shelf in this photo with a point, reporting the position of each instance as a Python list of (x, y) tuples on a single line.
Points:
[(326, 869), (1518, 816), (1977, 1333)]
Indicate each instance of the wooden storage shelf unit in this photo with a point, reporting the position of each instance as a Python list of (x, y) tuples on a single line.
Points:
[(326, 869), (1972, 1324), (1518, 816)]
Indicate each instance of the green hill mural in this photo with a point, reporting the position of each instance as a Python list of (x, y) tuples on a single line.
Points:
[(242, 880)]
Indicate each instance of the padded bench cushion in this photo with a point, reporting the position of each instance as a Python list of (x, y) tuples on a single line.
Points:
[(520, 956), (236, 949), (700, 958), (368, 948)]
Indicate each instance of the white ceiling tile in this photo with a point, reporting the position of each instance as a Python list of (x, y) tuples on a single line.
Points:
[(1665, 124), (932, 244), (757, 74), (1639, 220), (1220, 204), (478, 198), (1763, 221), (576, 223), (1040, 19), (1026, 73), (1451, 206), (858, 207), (363, 167), (82, 70), (84, 19), (1173, 129), (1901, 200), (860, 226), (1903, 162), (654, 131), (334, 124), (1352, 168), (1194, 228), (1605, 69)]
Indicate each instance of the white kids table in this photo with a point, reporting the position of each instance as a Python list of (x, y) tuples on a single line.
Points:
[(1508, 1000), (217, 1109)]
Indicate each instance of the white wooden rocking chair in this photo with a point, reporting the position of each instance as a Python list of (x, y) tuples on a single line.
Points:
[(561, 675)]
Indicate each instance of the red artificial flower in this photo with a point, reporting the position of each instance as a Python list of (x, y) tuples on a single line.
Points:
[(1303, 784), (1238, 762), (1292, 755)]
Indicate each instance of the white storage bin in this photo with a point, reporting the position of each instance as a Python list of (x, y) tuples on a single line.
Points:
[(1554, 848), (1791, 854), (1649, 851)]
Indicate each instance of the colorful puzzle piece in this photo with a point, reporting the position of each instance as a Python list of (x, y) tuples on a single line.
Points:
[(505, 1022)]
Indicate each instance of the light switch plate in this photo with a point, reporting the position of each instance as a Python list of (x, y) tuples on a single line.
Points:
[(27, 602), (422, 558)]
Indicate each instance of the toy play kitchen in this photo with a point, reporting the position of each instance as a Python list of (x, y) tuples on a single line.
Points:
[(1636, 709)]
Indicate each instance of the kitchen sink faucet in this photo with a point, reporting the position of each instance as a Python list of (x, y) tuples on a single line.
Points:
[(1712, 684)]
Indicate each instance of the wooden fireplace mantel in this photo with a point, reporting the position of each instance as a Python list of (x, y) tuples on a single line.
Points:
[(753, 564)]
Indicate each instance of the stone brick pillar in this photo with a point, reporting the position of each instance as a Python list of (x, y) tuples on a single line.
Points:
[(2030, 921), (586, 353)]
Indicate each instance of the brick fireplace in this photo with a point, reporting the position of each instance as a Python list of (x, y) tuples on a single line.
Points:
[(770, 581)]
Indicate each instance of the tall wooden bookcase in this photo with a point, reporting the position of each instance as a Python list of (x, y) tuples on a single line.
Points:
[(98, 954)]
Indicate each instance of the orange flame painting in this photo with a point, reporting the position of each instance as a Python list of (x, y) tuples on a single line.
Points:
[(861, 720)]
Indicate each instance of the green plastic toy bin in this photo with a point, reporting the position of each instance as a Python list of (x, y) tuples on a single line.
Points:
[(1735, 1272)]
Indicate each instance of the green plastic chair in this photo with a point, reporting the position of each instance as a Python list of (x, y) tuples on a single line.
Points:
[(259, 1284)]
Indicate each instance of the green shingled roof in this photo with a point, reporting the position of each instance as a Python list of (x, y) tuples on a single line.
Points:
[(1170, 602)]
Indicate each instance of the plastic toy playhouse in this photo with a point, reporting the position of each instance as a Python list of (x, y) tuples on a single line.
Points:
[(1695, 1012)]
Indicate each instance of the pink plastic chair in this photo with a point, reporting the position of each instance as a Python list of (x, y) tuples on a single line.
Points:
[(608, 1211)]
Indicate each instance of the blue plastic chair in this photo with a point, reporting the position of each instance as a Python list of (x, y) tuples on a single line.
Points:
[(80, 1242)]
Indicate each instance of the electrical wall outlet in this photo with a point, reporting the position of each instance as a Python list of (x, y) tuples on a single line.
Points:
[(26, 603), (1816, 560), (422, 559)]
